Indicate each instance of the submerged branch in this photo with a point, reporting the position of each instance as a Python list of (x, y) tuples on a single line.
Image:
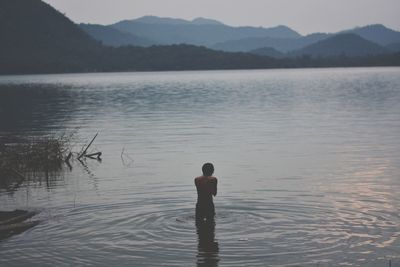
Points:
[(86, 149)]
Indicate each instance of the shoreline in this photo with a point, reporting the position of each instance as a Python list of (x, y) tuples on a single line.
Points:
[(195, 70), (15, 222)]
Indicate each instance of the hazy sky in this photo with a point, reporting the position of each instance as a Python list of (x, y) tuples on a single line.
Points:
[(305, 16)]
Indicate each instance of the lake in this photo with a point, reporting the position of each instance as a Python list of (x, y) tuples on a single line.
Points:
[(308, 163)]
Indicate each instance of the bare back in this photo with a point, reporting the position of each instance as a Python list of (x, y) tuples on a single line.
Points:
[(206, 188)]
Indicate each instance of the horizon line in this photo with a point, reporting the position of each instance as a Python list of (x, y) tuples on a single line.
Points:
[(238, 26)]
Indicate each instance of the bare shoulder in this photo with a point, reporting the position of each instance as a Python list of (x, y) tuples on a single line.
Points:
[(214, 179)]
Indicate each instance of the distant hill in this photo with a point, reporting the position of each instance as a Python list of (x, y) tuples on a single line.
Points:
[(197, 32), (150, 30), (174, 21), (205, 21), (395, 47), (347, 44), (113, 37), (281, 44), (377, 33), (38, 39), (268, 51), (159, 20)]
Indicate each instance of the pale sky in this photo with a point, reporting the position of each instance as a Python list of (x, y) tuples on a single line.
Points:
[(304, 16)]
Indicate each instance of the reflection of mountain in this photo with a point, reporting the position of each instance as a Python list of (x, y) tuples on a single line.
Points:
[(34, 107), (36, 121)]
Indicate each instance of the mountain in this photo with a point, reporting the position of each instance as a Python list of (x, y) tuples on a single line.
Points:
[(174, 21), (158, 20), (281, 44), (38, 39), (377, 33), (394, 47), (347, 44), (113, 37), (36, 36), (268, 51), (205, 21), (197, 32)]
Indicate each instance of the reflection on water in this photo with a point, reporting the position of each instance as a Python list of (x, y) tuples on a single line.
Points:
[(308, 164), (208, 247), (11, 181), (25, 108)]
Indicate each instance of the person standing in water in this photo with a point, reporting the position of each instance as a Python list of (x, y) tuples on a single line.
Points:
[(206, 186)]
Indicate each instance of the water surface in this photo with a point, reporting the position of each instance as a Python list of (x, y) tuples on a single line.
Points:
[(308, 163)]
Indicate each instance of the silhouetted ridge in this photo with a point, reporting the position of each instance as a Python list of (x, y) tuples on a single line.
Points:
[(113, 37), (205, 21), (197, 32), (174, 21), (280, 44), (159, 20), (35, 35), (38, 39), (395, 47), (347, 44), (377, 33), (268, 51)]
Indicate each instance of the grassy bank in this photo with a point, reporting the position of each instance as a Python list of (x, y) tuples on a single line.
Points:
[(22, 159)]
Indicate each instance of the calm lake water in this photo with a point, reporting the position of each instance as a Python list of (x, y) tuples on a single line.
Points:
[(308, 163)]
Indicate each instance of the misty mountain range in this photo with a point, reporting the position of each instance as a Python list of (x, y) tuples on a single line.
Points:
[(278, 42), (36, 38)]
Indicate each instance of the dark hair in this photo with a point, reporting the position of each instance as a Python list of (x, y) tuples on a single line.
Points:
[(208, 169)]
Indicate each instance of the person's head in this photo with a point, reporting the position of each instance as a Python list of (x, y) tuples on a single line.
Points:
[(208, 169)]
